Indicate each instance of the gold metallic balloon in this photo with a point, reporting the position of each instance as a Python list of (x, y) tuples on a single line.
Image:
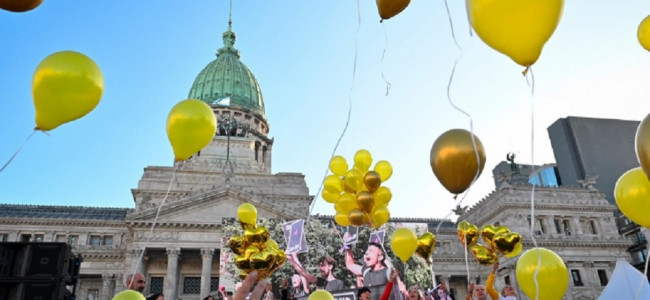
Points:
[(453, 159), (426, 244), (642, 142), (508, 243), (467, 233), (382, 196), (237, 244), (247, 215), (365, 201), (357, 217), (256, 236), (280, 258), (243, 261), (379, 216), (489, 231), (484, 255), (263, 260), (390, 8), (372, 180)]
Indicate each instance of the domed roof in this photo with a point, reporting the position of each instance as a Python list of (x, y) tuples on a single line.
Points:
[(227, 76)]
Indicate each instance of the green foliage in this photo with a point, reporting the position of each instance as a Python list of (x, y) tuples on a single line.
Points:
[(324, 238)]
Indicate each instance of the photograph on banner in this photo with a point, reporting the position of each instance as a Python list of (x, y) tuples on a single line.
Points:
[(377, 237), (351, 236)]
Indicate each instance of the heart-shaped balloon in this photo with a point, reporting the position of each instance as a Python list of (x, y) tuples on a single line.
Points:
[(518, 29), (263, 260), (357, 217), (467, 233), (454, 160), (257, 236), (426, 244), (484, 255), (243, 262), (372, 180), (508, 244), (237, 244), (365, 201), (489, 231), (280, 258)]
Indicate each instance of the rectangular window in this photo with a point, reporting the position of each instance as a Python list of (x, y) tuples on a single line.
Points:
[(506, 279), (108, 240), (72, 240), (214, 284), (4, 237), (577, 280), (25, 238), (593, 227), (540, 223), (95, 240), (191, 285), (566, 227), (156, 285), (93, 294), (602, 275), (557, 226), (38, 238)]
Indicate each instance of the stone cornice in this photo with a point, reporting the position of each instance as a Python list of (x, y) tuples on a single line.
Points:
[(179, 225), (63, 222)]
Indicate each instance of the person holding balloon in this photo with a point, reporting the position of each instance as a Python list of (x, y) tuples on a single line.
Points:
[(326, 265), (507, 293), (374, 271)]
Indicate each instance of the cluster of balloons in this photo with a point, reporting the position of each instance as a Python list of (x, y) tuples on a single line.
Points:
[(19, 5), (454, 159), (404, 244), (66, 86), (518, 29), (632, 190), (357, 194), (191, 125), (390, 8), (499, 240), (255, 249), (552, 279)]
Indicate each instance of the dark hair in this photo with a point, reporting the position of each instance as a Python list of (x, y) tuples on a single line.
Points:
[(328, 260), (362, 290), (208, 296), (154, 296)]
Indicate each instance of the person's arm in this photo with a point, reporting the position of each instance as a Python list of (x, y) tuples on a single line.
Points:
[(305, 284), (392, 280), (246, 286), (387, 291), (489, 284), (350, 264), (295, 263), (470, 290)]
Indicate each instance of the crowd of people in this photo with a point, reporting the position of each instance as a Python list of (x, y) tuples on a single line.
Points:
[(376, 279)]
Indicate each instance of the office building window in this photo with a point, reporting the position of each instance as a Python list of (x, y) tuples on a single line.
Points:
[(95, 240), (191, 285), (156, 285), (577, 280), (602, 275)]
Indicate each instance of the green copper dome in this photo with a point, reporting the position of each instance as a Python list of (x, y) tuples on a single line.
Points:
[(227, 76)]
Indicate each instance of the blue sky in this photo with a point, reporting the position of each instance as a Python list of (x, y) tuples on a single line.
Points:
[(302, 53)]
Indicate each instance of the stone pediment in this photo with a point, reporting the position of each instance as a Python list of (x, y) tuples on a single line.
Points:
[(210, 207)]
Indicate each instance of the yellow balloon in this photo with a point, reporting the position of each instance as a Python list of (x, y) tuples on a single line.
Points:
[(247, 214), (518, 29), (643, 33), (333, 184), (453, 159), (404, 242), (129, 295), (346, 203), (384, 169), (66, 86), (362, 160), (553, 277), (321, 295), (390, 8), (338, 165), (354, 180), (342, 219), (642, 143), (379, 216), (382, 196), (330, 197), (632, 194), (191, 125)]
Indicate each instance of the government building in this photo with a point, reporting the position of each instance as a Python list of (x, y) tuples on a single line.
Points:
[(181, 256)]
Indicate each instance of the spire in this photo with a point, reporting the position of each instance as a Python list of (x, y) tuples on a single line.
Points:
[(229, 38)]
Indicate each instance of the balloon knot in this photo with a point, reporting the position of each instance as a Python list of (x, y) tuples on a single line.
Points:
[(525, 71), (381, 21)]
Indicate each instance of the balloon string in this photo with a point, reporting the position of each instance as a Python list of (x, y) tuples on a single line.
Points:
[(347, 122), (451, 26), (383, 54), (155, 220), (531, 84), (466, 262), (645, 272), (18, 151)]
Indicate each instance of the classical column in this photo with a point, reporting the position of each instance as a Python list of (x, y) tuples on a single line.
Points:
[(106, 293), (206, 271), (171, 278)]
